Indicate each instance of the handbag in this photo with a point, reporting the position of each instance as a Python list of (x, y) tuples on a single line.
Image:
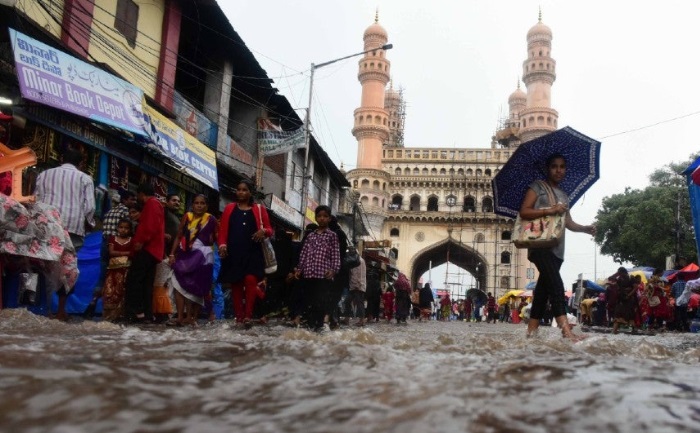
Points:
[(654, 301), (268, 251), (541, 232), (352, 258)]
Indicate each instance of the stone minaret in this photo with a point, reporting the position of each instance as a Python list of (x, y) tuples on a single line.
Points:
[(517, 102), (371, 129), (539, 72), (508, 134)]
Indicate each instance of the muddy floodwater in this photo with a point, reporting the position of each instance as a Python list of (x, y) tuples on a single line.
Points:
[(422, 377)]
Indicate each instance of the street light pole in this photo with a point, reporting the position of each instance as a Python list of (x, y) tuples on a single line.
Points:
[(307, 126), (307, 138)]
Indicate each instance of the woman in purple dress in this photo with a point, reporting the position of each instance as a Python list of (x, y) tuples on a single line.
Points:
[(193, 264)]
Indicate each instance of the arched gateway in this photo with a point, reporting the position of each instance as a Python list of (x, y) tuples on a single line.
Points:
[(478, 242), (440, 253)]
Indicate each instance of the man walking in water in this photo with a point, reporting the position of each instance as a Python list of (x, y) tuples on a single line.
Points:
[(149, 250)]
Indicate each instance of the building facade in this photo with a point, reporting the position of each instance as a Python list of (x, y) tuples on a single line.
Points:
[(206, 97)]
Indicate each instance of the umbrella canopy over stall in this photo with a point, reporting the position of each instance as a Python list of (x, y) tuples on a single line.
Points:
[(590, 285), (509, 294), (526, 294), (667, 273), (689, 272), (527, 164)]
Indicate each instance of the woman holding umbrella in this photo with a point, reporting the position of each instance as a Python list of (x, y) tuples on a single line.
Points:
[(548, 261)]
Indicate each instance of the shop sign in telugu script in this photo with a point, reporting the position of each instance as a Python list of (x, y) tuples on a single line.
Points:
[(54, 78)]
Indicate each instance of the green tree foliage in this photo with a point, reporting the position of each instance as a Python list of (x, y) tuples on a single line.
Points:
[(640, 225)]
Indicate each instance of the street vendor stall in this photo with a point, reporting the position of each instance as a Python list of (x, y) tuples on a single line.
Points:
[(33, 241), (32, 238)]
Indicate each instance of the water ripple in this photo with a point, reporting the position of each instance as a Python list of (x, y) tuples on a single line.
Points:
[(447, 377)]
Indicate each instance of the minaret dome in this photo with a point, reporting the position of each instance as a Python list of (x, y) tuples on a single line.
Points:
[(517, 97), (539, 29), (375, 35), (376, 30)]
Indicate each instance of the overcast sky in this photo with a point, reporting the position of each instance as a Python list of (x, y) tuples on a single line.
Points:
[(625, 69)]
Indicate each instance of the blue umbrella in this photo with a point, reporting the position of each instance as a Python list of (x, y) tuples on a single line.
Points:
[(527, 164)]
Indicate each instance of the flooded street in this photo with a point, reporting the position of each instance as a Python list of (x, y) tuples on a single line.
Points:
[(443, 377)]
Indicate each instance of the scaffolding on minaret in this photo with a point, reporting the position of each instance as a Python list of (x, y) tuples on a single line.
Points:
[(395, 104), (401, 118), (507, 132)]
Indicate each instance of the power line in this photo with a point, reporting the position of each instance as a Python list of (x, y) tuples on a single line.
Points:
[(198, 22), (323, 113), (695, 113), (126, 61), (127, 57), (369, 226)]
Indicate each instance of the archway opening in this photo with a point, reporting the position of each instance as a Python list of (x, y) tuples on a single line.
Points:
[(451, 268)]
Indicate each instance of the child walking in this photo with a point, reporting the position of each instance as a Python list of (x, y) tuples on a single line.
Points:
[(120, 247), (319, 262)]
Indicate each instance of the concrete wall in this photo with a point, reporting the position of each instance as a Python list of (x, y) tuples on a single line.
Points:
[(138, 65)]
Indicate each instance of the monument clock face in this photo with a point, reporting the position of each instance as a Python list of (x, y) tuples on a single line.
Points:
[(420, 236), (451, 201)]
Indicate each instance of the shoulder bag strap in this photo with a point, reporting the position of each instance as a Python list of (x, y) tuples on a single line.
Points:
[(550, 192)]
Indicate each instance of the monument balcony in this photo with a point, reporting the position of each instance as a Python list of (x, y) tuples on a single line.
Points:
[(440, 178), (403, 213), (445, 155), (371, 131), (376, 75), (367, 172)]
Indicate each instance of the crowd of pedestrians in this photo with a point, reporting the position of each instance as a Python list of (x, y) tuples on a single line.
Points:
[(655, 305), (159, 267)]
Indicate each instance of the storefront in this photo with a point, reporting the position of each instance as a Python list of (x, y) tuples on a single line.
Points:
[(69, 103), (125, 142)]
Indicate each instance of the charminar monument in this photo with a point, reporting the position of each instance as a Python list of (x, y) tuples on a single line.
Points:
[(435, 205)]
